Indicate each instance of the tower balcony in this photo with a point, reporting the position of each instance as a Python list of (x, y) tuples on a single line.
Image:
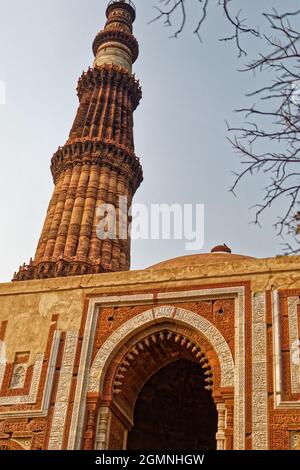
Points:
[(128, 4)]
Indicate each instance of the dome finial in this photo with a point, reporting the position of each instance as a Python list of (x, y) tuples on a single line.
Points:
[(221, 249)]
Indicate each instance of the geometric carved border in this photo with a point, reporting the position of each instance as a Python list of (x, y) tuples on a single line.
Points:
[(292, 308), (63, 392), (259, 374), (240, 373), (31, 398), (293, 303)]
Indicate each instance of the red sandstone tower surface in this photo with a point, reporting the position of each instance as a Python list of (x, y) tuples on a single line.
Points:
[(97, 164)]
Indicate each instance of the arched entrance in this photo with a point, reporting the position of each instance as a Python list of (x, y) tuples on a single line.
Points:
[(138, 350), (174, 411)]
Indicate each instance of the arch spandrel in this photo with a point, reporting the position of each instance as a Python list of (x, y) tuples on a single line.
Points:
[(145, 320)]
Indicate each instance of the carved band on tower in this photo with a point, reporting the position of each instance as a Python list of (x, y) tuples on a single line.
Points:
[(97, 165)]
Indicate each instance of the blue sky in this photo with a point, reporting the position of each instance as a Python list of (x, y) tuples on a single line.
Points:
[(189, 90)]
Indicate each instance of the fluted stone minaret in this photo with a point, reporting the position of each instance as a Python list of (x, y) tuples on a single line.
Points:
[(97, 165)]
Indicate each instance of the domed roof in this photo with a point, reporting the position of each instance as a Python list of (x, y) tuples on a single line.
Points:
[(218, 254)]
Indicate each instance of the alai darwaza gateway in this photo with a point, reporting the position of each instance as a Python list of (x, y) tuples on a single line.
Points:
[(198, 352)]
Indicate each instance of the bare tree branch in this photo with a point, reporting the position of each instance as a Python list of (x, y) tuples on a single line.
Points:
[(269, 140), (276, 127), (167, 13)]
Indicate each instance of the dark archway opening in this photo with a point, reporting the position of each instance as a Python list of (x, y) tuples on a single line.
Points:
[(174, 411)]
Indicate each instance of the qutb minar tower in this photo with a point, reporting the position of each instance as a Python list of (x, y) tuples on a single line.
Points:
[(200, 352), (97, 165)]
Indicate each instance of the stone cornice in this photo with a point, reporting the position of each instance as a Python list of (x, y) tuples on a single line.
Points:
[(95, 152), (267, 273)]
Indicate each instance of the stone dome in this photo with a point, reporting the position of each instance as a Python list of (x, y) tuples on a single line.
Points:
[(218, 254)]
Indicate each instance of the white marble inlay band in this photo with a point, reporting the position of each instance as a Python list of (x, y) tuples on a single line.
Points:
[(293, 303), (259, 374), (63, 391)]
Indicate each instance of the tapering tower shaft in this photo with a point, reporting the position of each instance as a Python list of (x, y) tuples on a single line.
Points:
[(97, 166)]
